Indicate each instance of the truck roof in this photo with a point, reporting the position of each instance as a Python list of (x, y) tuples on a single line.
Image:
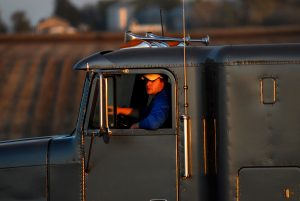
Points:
[(195, 56)]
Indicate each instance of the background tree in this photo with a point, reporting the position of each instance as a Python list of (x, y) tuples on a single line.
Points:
[(91, 16), (95, 15), (3, 28), (66, 10), (204, 14), (21, 23), (228, 14), (256, 11), (165, 4), (286, 12)]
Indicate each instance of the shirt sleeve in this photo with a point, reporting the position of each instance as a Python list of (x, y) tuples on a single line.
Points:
[(158, 112)]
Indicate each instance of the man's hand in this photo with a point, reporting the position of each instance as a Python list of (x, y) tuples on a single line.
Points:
[(110, 110), (120, 110)]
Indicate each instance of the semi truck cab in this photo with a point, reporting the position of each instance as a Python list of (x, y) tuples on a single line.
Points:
[(233, 133)]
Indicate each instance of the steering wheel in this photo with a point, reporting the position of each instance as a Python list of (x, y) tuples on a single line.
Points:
[(125, 121)]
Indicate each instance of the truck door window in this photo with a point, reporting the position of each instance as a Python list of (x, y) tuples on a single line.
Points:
[(128, 100)]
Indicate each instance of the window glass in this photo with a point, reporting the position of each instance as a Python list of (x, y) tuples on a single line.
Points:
[(129, 102)]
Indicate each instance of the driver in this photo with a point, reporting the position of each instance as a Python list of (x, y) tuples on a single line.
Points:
[(158, 110)]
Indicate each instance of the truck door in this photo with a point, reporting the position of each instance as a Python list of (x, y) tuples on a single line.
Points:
[(129, 164)]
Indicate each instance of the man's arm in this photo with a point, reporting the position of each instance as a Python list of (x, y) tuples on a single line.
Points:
[(124, 110), (158, 114)]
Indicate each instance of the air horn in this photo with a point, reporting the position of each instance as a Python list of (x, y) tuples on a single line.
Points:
[(129, 36)]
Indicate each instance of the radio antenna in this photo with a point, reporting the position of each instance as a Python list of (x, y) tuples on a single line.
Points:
[(185, 117), (185, 87), (162, 24)]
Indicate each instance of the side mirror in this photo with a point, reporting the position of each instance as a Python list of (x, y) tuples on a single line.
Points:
[(103, 109)]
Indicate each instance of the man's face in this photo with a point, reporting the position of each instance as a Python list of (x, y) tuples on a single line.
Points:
[(155, 86)]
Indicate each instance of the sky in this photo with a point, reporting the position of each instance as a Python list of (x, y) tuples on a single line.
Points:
[(35, 9)]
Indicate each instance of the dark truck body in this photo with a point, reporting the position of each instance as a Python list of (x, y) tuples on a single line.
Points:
[(243, 141)]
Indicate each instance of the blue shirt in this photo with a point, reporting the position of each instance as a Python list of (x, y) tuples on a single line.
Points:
[(156, 115)]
